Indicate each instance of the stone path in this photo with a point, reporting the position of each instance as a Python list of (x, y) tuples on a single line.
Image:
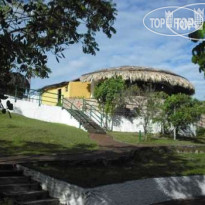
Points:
[(107, 142)]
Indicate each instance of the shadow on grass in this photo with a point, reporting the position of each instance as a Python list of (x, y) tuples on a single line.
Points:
[(198, 140), (36, 148), (145, 163)]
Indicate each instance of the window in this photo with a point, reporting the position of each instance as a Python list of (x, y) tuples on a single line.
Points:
[(66, 88)]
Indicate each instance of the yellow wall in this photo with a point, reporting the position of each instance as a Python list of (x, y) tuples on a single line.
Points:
[(71, 90), (79, 89)]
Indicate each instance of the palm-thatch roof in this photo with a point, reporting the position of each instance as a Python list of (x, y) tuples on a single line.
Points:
[(142, 74)]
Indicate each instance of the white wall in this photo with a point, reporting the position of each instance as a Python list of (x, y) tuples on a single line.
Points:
[(67, 194), (137, 192), (149, 191), (123, 124), (56, 114), (43, 112)]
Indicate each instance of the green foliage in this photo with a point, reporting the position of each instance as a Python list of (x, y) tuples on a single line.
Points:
[(132, 138), (108, 93), (14, 84), (182, 110), (30, 29), (147, 102), (200, 132), (198, 52)]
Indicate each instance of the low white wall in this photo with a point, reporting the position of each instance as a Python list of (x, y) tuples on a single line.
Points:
[(43, 112), (138, 192), (56, 114), (123, 124), (66, 193), (149, 191)]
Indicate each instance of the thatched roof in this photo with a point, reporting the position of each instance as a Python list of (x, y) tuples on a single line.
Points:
[(138, 73)]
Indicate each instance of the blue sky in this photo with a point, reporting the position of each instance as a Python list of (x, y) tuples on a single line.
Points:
[(132, 45)]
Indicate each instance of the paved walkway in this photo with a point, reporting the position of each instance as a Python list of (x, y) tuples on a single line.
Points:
[(107, 142)]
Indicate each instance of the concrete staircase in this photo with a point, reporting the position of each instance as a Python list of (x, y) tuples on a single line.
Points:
[(23, 190), (86, 122)]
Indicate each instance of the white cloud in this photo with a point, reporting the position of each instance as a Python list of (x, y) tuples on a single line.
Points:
[(132, 45)]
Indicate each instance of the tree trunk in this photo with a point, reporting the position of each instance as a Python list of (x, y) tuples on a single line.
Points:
[(175, 133), (162, 128)]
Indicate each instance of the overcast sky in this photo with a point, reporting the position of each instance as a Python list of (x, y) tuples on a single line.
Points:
[(132, 45)]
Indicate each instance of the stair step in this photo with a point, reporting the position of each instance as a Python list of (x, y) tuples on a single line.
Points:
[(41, 202), (27, 196), (90, 125), (14, 185), (19, 187), (13, 180), (4, 173)]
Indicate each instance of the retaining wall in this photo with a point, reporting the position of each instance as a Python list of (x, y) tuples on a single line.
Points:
[(43, 112), (138, 192)]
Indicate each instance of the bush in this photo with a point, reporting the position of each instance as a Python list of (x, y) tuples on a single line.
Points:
[(200, 132)]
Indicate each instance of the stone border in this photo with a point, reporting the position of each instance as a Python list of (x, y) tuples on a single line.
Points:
[(153, 190), (138, 192), (65, 192)]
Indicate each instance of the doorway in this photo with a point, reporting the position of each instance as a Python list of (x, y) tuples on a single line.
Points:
[(59, 96)]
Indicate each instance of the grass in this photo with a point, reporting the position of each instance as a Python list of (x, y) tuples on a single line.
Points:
[(132, 138), (25, 136), (147, 163)]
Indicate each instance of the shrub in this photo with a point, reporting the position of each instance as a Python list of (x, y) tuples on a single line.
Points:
[(200, 132)]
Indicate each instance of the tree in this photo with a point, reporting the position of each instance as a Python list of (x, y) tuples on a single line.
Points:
[(181, 111), (30, 29), (9, 82), (161, 114), (198, 52), (108, 93), (145, 100)]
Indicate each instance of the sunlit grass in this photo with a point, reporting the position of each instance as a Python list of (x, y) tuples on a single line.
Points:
[(133, 138), (21, 135)]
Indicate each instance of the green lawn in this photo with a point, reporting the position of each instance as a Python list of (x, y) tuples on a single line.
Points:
[(21, 135), (132, 138), (148, 163)]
